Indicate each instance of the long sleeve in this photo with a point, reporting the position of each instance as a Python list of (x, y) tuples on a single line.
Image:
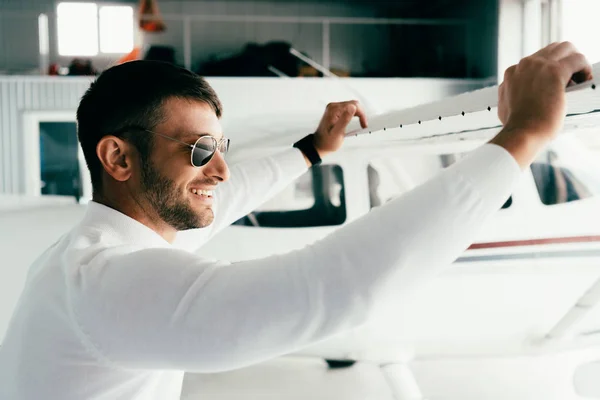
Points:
[(251, 184), (165, 308)]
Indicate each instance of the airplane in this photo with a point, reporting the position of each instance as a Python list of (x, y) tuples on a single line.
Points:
[(516, 292), (518, 307)]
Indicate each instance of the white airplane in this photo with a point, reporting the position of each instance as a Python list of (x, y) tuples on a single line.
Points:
[(514, 317), (528, 287)]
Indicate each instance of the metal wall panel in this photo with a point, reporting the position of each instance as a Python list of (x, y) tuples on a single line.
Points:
[(19, 95)]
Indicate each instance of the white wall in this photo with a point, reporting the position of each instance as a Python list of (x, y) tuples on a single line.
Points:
[(19, 46), (520, 31), (510, 39)]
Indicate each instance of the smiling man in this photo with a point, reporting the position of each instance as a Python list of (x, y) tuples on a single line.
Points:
[(121, 306), (167, 193)]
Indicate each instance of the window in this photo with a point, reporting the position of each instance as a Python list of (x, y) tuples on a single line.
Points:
[(383, 182), (59, 165), (116, 29), (580, 26), (315, 199), (77, 29), (84, 29), (558, 182), (44, 40)]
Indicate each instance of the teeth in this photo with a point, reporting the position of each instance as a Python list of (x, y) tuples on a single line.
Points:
[(203, 192)]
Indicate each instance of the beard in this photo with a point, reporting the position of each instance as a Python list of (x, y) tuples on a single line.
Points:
[(169, 204)]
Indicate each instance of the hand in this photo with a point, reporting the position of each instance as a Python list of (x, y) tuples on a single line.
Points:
[(332, 129), (533, 92), (532, 103)]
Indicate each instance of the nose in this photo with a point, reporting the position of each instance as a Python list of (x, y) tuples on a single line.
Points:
[(217, 168)]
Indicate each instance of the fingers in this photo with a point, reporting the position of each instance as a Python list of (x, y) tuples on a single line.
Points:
[(546, 50), (338, 110), (556, 50), (360, 113), (346, 115), (575, 66), (509, 73), (561, 50), (571, 65)]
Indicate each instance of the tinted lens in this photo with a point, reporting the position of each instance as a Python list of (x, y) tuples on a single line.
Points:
[(224, 146), (203, 151)]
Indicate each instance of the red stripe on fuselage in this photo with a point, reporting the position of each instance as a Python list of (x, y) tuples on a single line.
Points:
[(534, 242)]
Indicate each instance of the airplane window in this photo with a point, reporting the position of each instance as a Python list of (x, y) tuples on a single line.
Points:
[(316, 199), (382, 186), (558, 184)]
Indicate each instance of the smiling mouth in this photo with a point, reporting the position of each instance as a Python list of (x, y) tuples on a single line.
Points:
[(203, 193)]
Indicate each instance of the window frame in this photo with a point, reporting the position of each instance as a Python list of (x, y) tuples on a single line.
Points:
[(99, 7), (570, 177), (334, 170)]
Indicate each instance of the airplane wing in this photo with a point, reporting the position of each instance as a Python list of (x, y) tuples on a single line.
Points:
[(469, 117), (473, 116)]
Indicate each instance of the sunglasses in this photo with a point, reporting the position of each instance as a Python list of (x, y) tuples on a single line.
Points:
[(203, 149)]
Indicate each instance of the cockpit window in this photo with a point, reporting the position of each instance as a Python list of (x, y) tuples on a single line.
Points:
[(317, 198), (562, 177)]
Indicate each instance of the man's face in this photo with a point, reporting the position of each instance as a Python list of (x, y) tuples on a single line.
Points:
[(181, 194)]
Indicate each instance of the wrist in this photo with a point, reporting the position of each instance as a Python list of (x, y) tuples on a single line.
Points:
[(316, 142), (309, 150), (523, 143), (322, 153), (544, 129)]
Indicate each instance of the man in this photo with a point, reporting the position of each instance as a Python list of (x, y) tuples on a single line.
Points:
[(120, 306)]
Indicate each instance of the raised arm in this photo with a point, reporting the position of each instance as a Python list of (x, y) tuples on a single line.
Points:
[(163, 308), (254, 182)]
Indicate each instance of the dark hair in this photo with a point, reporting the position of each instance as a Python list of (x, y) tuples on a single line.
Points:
[(132, 94)]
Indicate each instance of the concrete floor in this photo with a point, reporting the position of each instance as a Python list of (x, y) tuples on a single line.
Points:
[(290, 378)]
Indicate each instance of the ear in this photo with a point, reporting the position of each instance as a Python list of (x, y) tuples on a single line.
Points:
[(117, 157)]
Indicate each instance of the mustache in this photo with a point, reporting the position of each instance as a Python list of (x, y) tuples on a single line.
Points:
[(207, 182)]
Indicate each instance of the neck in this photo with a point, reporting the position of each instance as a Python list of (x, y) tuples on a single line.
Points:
[(138, 210)]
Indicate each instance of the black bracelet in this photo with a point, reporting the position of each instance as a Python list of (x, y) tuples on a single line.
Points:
[(307, 147)]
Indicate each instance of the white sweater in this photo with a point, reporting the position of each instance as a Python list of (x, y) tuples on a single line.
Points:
[(113, 311)]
